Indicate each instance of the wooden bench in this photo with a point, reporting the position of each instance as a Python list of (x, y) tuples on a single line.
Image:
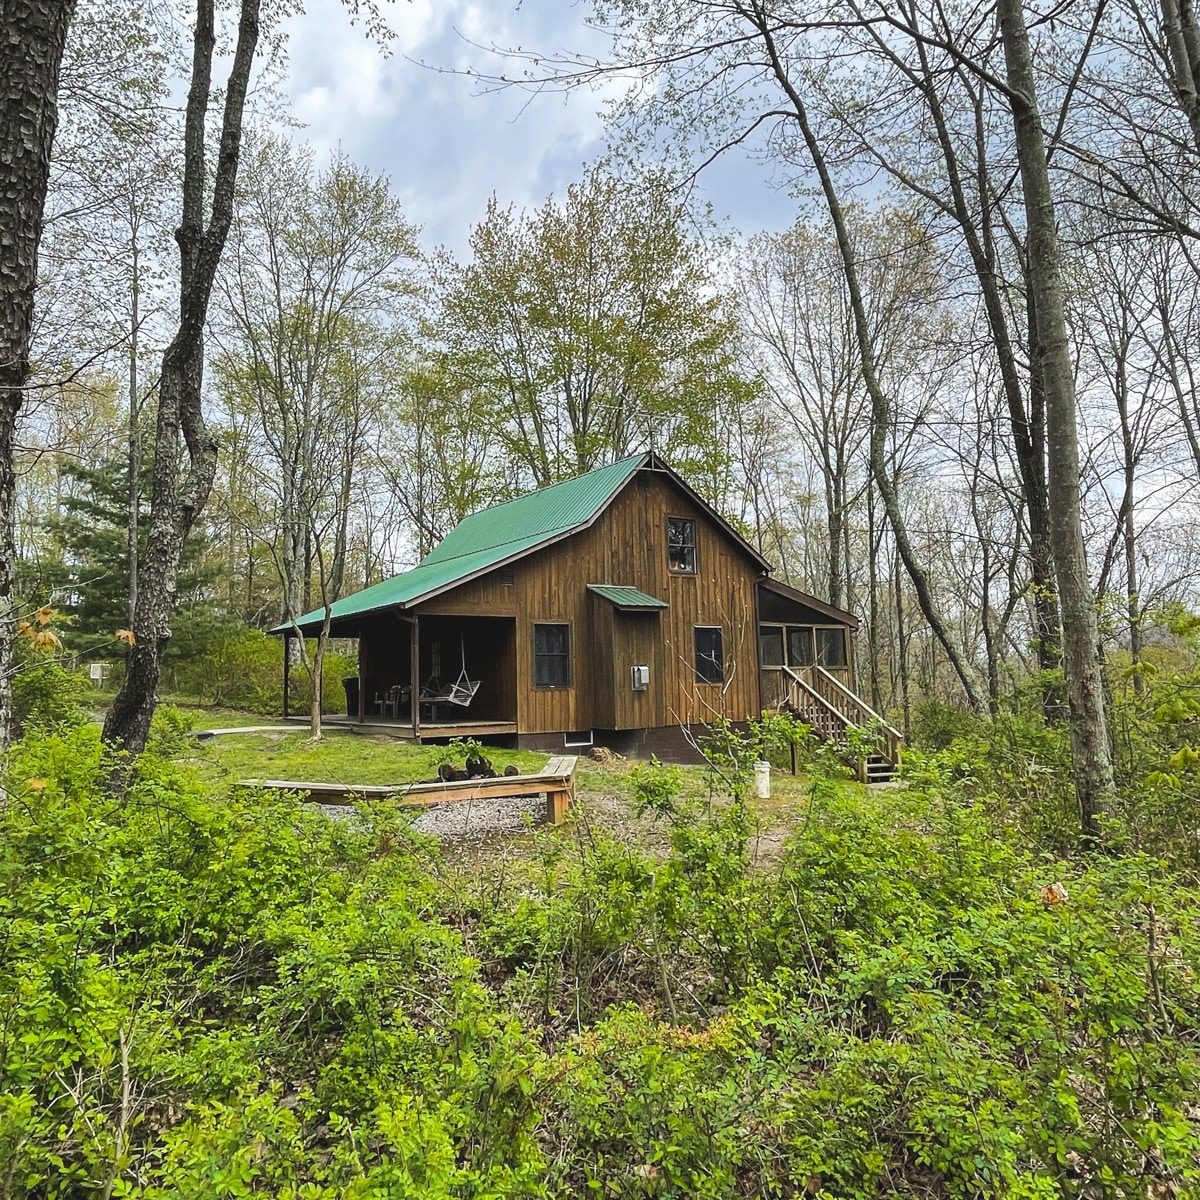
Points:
[(556, 781)]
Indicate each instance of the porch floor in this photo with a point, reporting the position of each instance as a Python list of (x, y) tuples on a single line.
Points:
[(402, 730)]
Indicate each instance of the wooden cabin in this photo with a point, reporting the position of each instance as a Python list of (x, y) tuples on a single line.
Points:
[(616, 609)]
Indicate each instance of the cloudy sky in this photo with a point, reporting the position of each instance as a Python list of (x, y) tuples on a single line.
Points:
[(446, 146)]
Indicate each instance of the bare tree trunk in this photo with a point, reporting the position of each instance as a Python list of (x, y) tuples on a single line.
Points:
[(33, 34), (318, 680), (135, 457), (1181, 33), (985, 616), (834, 521), (880, 404), (176, 501), (1126, 519), (975, 219), (1132, 605), (1090, 754), (902, 648), (875, 545), (1030, 447)]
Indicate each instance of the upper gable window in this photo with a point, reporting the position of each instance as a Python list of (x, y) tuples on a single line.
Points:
[(681, 545)]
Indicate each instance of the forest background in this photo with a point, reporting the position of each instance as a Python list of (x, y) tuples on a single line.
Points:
[(367, 392)]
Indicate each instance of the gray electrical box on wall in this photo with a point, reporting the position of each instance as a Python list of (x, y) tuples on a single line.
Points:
[(640, 676)]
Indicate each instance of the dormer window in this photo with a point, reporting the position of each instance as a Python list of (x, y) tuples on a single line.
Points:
[(681, 545)]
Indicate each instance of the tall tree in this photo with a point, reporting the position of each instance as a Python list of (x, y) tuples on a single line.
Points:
[(106, 233), (796, 314), (180, 488), (320, 263), (33, 35), (589, 329), (1091, 755), (438, 458), (91, 577)]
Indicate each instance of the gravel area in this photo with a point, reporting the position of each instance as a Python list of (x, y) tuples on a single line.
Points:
[(463, 819), (476, 818)]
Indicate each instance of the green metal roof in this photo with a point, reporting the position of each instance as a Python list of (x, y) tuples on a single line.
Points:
[(626, 597), (488, 538), (545, 513)]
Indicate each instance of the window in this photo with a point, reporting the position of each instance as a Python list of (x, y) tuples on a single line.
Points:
[(551, 656), (831, 647), (681, 545), (710, 655), (800, 647), (770, 646)]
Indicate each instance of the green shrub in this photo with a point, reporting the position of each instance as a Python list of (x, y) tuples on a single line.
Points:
[(46, 695), (232, 995), (935, 724), (170, 732), (243, 668), (338, 666)]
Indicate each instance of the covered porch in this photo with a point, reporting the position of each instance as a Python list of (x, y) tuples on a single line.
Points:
[(433, 677), (799, 635)]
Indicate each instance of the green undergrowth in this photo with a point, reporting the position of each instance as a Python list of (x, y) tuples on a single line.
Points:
[(211, 716), (211, 994)]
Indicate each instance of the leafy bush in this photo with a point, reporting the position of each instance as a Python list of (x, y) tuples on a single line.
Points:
[(170, 732), (935, 724), (243, 668), (46, 695), (232, 995), (338, 666)]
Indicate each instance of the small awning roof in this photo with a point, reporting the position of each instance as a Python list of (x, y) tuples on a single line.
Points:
[(627, 599)]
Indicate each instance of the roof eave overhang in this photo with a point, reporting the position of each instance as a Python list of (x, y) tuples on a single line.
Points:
[(840, 615)]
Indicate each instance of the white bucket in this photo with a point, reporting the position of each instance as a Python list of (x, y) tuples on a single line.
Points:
[(762, 780)]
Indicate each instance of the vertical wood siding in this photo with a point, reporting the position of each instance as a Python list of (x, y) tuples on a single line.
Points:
[(627, 545)]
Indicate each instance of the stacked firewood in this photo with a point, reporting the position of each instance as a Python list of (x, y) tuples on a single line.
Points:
[(477, 767)]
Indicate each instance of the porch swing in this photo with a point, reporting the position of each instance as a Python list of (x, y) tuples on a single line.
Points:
[(461, 691)]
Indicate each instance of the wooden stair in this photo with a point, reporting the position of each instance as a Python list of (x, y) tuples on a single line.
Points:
[(877, 769), (831, 709)]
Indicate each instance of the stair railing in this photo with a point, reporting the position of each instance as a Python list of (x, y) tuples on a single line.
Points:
[(824, 716), (830, 708), (832, 687)]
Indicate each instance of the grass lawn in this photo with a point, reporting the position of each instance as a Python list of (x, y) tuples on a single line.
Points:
[(338, 758), (604, 790), (214, 717), (203, 716), (343, 757)]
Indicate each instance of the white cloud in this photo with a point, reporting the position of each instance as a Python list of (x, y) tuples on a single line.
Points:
[(446, 143)]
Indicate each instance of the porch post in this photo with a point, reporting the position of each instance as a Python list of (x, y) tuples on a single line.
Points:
[(415, 678), (758, 666), (362, 682), (287, 671)]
